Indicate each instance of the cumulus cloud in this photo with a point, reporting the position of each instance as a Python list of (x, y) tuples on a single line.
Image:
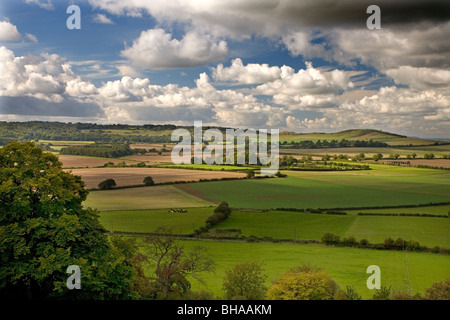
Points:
[(157, 49), (252, 73), (420, 78), (9, 32)]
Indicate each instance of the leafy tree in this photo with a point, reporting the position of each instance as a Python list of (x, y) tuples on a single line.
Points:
[(172, 265), (304, 283), (348, 294), (44, 229), (384, 293), (245, 281), (377, 156), (107, 184), (148, 181), (330, 239), (438, 291)]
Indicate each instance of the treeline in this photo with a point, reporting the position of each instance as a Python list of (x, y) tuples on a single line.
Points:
[(100, 150), (331, 239), (404, 214), (344, 143)]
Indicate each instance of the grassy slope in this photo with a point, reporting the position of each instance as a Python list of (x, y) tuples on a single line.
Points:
[(427, 231), (345, 265), (149, 220), (385, 185)]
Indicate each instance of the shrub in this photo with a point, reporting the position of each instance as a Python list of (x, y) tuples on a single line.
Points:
[(384, 293), (348, 294), (330, 239), (245, 281), (107, 184), (148, 181), (304, 283), (438, 291)]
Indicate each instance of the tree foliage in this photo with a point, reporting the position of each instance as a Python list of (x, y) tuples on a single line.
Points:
[(304, 283), (107, 184), (245, 281), (44, 229)]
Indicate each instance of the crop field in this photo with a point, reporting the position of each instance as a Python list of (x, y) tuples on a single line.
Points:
[(146, 221), (134, 176), (154, 197), (383, 186), (428, 231), (347, 266), (83, 161)]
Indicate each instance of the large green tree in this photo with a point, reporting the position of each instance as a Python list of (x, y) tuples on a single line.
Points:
[(44, 229), (245, 281)]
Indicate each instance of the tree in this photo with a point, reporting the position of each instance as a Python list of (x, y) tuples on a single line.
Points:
[(384, 293), (245, 281), (172, 265), (330, 239), (304, 283), (377, 156), (148, 181), (107, 184), (250, 173), (438, 291), (348, 294), (44, 229)]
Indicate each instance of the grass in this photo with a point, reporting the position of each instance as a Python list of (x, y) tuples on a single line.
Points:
[(287, 225), (154, 197), (148, 220), (440, 210), (383, 186), (347, 266)]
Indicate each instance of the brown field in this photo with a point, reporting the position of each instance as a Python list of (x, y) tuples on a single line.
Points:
[(134, 176), (444, 163), (147, 146), (83, 162)]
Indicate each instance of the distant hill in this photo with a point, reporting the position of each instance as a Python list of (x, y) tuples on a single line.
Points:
[(391, 139), (123, 133)]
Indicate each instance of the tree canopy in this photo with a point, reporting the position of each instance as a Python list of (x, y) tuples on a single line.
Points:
[(44, 229)]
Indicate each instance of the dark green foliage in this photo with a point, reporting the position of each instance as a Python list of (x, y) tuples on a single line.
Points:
[(44, 229), (99, 150), (384, 293), (330, 239), (148, 181), (107, 184)]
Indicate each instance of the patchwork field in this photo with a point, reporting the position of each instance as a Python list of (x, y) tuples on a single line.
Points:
[(154, 197), (289, 225), (134, 176), (148, 220), (347, 266), (383, 186)]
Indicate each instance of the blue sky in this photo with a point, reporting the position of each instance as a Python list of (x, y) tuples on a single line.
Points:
[(293, 65)]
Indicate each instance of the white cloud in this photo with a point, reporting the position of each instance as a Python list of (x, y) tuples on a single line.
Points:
[(157, 49), (31, 37), (103, 19), (9, 32), (44, 5), (252, 73), (420, 78)]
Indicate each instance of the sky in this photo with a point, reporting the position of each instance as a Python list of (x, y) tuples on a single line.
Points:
[(292, 65)]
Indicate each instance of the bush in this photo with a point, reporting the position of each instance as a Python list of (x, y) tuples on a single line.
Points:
[(438, 291), (348, 294), (107, 184), (330, 239), (148, 181), (304, 283), (384, 293), (245, 281)]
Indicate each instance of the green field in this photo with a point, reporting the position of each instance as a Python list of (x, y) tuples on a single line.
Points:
[(148, 220), (289, 225), (154, 197), (438, 210), (383, 186), (347, 266)]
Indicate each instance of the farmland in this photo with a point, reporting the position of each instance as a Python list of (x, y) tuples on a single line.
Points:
[(134, 176), (383, 186)]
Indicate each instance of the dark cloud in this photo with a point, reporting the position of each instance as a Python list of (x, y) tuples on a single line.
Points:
[(352, 13), (29, 106)]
